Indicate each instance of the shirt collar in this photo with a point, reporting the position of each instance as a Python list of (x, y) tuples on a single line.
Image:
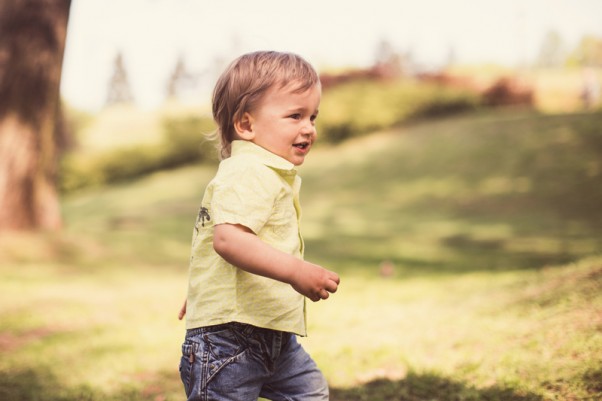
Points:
[(240, 147)]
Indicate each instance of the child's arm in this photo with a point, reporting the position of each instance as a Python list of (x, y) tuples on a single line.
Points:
[(241, 247)]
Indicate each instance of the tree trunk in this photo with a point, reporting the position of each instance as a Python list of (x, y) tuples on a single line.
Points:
[(32, 43)]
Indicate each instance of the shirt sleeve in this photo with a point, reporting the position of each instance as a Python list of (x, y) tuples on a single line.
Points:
[(246, 197)]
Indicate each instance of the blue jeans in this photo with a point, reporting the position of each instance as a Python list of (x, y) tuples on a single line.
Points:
[(239, 362)]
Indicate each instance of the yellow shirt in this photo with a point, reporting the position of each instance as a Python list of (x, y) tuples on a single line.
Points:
[(259, 190)]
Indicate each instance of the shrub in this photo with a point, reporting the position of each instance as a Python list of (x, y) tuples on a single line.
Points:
[(186, 141), (183, 143), (360, 107)]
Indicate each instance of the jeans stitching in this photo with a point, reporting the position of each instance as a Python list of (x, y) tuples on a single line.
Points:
[(204, 371)]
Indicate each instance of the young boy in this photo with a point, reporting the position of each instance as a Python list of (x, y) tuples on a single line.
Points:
[(247, 279)]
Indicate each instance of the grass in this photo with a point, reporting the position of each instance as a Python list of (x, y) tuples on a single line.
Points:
[(468, 250)]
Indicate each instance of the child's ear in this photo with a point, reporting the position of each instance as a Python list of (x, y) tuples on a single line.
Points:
[(244, 127)]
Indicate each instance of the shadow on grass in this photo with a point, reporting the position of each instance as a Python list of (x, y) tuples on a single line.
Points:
[(41, 384), (418, 387), (352, 255), (33, 385), (30, 385)]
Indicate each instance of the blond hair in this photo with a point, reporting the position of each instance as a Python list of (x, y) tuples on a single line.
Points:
[(241, 86)]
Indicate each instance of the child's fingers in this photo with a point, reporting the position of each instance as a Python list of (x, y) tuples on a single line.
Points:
[(182, 312), (332, 285), (319, 295), (315, 298)]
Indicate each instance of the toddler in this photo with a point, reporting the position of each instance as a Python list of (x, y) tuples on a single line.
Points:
[(247, 277)]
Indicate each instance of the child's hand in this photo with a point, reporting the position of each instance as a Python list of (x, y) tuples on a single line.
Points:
[(182, 311), (315, 282)]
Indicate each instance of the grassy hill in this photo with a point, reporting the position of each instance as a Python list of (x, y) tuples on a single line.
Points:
[(496, 191), (469, 251)]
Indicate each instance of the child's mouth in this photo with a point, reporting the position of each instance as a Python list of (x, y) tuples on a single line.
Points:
[(302, 145)]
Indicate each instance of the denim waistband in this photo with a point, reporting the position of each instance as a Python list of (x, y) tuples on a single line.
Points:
[(246, 329)]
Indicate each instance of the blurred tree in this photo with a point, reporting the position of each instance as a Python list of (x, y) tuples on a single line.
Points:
[(119, 85), (452, 58), (552, 52), (388, 62), (33, 36), (180, 80), (588, 53)]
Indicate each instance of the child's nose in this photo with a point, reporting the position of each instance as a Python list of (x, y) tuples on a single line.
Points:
[(309, 132), (309, 128)]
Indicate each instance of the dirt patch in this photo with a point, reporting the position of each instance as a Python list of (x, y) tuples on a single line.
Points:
[(157, 385), (11, 341)]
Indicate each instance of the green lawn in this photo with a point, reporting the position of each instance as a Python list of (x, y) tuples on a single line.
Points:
[(469, 251)]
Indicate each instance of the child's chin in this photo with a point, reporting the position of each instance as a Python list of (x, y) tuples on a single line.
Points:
[(298, 160)]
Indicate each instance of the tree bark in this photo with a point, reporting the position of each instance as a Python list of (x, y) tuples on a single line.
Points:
[(32, 43)]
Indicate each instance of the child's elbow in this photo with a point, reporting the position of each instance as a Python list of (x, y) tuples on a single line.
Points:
[(227, 240), (220, 245)]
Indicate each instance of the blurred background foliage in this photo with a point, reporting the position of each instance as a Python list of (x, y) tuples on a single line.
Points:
[(122, 143), (181, 143)]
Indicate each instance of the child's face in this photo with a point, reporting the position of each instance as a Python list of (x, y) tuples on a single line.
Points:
[(284, 122)]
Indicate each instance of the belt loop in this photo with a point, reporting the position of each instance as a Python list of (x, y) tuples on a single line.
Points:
[(276, 343), (247, 329)]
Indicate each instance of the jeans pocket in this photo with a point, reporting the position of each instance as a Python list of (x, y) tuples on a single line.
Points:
[(189, 350), (224, 347)]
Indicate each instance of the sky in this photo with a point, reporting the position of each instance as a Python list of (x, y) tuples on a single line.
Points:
[(153, 34)]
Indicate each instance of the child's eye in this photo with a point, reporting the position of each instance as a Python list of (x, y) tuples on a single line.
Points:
[(313, 117), (295, 116)]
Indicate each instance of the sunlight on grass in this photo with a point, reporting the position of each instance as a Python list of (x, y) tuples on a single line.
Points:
[(467, 272), (103, 327), (455, 326)]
